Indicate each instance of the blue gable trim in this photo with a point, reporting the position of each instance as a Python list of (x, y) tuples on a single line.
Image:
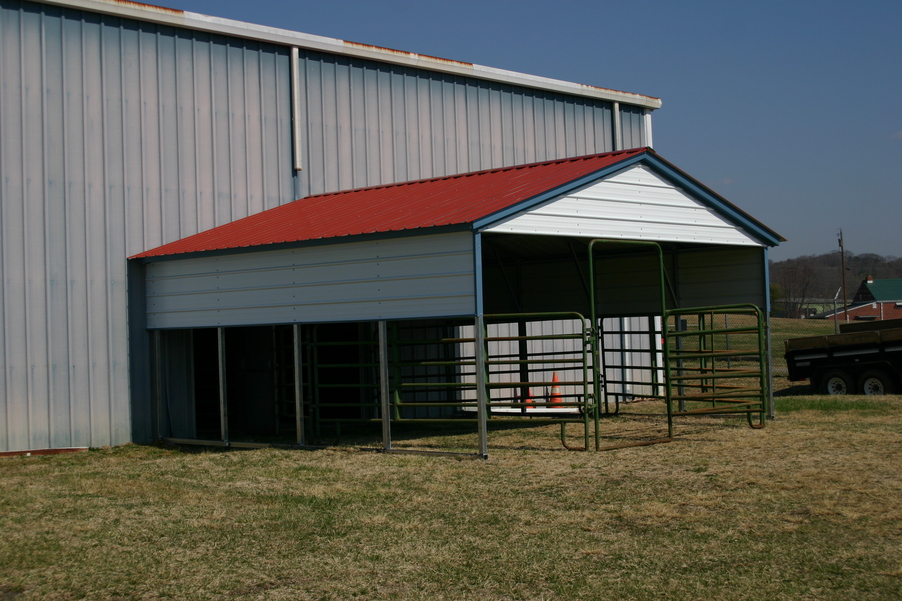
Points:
[(715, 201)]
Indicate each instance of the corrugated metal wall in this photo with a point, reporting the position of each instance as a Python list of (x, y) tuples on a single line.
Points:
[(398, 278), (369, 123), (115, 137)]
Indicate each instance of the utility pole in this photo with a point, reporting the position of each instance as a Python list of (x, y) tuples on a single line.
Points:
[(842, 259)]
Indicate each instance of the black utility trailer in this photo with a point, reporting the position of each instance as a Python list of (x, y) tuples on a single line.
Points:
[(865, 358)]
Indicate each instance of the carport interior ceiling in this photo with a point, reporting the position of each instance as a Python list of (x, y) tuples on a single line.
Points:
[(410, 250)]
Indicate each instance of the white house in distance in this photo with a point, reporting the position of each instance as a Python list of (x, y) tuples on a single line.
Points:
[(169, 181)]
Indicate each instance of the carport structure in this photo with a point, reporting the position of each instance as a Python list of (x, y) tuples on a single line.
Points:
[(455, 298)]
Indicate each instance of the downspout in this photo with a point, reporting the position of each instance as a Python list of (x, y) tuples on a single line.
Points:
[(296, 162), (647, 130)]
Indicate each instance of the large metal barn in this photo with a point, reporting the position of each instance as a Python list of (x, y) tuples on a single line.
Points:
[(549, 291)]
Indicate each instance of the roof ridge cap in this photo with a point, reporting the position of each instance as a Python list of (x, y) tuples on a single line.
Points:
[(475, 173)]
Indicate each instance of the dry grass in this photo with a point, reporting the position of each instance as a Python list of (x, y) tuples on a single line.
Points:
[(809, 508)]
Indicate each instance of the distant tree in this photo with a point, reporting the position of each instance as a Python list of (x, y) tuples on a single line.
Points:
[(796, 282), (776, 292), (818, 277)]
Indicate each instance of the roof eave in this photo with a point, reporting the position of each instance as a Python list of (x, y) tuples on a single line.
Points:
[(348, 239), (749, 224)]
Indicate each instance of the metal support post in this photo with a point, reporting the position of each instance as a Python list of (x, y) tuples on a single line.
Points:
[(768, 379), (481, 400), (523, 355), (384, 391), (298, 385), (158, 381), (223, 400)]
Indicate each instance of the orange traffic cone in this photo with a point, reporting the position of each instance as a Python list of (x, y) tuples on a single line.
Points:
[(555, 397), (528, 400)]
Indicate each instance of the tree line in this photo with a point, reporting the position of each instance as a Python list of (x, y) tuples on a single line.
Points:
[(799, 282)]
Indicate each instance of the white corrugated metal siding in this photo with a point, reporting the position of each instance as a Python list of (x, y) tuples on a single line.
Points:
[(115, 137), (400, 278), (635, 204), (368, 123)]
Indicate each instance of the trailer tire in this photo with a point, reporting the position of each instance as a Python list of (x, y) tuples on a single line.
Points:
[(876, 382), (835, 381)]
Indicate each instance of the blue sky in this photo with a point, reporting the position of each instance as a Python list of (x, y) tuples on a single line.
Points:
[(792, 110)]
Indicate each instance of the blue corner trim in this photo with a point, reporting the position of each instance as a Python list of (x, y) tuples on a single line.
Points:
[(477, 272)]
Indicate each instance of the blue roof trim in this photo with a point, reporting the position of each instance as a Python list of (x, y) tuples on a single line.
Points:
[(581, 182), (717, 202)]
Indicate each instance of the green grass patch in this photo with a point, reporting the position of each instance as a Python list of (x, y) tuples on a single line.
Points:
[(838, 404)]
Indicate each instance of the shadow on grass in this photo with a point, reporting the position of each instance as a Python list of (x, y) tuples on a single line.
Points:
[(795, 390)]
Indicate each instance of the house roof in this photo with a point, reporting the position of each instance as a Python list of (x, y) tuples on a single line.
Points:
[(885, 290), (465, 200)]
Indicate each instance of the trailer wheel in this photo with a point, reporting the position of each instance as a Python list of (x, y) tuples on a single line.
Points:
[(835, 381), (874, 381)]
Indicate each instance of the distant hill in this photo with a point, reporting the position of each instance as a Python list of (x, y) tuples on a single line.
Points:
[(812, 277)]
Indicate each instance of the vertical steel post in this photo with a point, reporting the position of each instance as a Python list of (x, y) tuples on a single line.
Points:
[(481, 400), (298, 385), (624, 361), (223, 399), (384, 391), (523, 350), (158, 381), (766, 361)]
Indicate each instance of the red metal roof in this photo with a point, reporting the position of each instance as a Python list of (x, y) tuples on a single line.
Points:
[(443, 201)]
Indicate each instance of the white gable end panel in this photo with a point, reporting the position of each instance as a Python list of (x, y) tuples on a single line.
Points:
[(410, 277), (635, 204)]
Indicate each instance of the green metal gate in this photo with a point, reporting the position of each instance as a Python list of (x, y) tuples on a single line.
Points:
[(715, 358), (716, 362)]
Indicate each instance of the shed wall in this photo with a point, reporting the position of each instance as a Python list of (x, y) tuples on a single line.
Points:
[(115, 136), (630, 284), (719, 276), (400, 278), (368, 123)]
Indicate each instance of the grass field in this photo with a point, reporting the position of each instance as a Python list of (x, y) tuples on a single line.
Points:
[(808, 508)]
